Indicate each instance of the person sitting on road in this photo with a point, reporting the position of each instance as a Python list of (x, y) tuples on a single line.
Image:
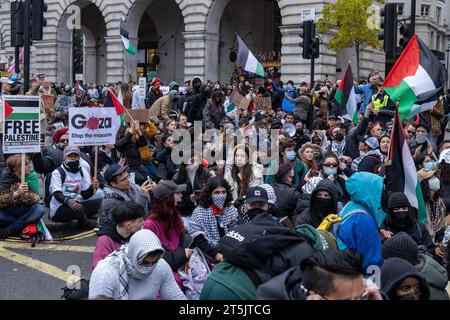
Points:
[(126, 218), (135, 272), (119, 188), (326, 275), (19, 206), (70, 186)]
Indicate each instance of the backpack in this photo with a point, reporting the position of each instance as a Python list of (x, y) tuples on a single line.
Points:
[(334, 228), (195, 275), (48, 180), (250, 245)]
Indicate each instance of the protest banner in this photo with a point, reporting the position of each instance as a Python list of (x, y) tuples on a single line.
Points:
[(65, 102), (48, 101), (142, 87), (263, 103), (21, 125), (93, 126)]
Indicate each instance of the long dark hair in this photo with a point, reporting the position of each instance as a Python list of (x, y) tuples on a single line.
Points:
[(247, 172), (426, 192), (166, 211), (206, 196)]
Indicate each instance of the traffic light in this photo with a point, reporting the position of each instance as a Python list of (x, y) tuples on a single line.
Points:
[(17, 23), (38, 7), (388, 31), (310, 43), (406, 33)]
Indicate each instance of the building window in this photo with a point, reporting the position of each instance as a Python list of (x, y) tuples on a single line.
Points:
[(425, 10), (438, 43), (400, 9), (438, 14)]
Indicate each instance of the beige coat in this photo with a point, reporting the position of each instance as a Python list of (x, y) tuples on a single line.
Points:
[(161, 108)]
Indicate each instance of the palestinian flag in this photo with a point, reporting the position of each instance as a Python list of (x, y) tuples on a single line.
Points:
[(113, 102), (404, 175), (79, 87), (247, 60), (345, 96), (126, 39), (416, 79), (7, 110)]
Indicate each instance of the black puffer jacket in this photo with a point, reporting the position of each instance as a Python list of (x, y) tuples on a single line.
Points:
[(130, 150), (310, 215), (287, 199)]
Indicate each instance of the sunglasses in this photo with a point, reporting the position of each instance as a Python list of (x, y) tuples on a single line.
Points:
[(64, 140), (331, 165)]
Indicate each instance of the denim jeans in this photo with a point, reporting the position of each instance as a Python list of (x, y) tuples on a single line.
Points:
[(17, 218)]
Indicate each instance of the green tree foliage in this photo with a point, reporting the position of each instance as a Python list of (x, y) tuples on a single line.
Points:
[(350, 20)]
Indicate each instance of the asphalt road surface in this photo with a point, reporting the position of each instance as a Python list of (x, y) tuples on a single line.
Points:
[(41, 272)]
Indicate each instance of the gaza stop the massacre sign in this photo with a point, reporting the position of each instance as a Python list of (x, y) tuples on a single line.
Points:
[(93, 126), (21, 125)]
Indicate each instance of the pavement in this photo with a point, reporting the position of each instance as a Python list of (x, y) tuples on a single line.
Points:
[(40, 273)]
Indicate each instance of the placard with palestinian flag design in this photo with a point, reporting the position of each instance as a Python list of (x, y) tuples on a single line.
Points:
[(21, 124)]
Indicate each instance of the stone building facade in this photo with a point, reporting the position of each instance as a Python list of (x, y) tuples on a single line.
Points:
[(190, 37)]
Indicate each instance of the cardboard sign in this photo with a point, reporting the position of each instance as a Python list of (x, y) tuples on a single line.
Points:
[(263, 103), (65, 102), (79, 77), (138, 114), (49, 102), (240, 101), (93, 126), (21, 125), (142, 87)]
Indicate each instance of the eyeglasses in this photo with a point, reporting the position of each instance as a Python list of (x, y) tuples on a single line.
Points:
[(64, 140), (331, 165), (364, 296)]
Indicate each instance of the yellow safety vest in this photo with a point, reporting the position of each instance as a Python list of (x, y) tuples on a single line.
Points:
[(377, 104)]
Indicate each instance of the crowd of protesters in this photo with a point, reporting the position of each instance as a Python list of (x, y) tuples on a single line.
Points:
[(153, 215)]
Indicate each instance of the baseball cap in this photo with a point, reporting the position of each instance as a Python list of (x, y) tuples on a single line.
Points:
[(113, 171), (165, 188), (256, 194), (260, 115), (70, 150)]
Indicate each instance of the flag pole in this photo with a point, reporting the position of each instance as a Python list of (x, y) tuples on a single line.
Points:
[(22, 169), (95, 162)]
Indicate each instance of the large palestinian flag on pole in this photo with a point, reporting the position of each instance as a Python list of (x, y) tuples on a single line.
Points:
[(247, 60), (345, 96), (416, 79), (403, 173)]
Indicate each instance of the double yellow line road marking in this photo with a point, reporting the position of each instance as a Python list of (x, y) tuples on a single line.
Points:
[(40, 266)]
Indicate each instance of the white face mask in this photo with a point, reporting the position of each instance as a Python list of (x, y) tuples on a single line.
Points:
[(434, 184)]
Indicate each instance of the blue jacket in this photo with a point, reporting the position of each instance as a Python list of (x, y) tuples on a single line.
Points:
[(360, 231), (365, 90), (293, 93)]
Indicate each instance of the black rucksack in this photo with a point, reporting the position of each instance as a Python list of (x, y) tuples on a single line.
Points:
[(250, 245), (48, 180)]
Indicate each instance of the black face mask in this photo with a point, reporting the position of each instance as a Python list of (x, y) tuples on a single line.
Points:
[(72, 166), (339, 137), (402, 219), (324, 206), (254, 212), (299, 132)]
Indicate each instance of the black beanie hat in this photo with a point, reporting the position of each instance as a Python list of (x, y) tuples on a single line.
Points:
[(398, 200), (401, 245)]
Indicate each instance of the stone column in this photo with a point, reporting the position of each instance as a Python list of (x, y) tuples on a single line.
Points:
[(115, 64), (194, 54), (212, 56)]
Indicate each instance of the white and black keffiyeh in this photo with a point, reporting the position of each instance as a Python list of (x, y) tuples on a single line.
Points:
[(128, 258), (204, 222)]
